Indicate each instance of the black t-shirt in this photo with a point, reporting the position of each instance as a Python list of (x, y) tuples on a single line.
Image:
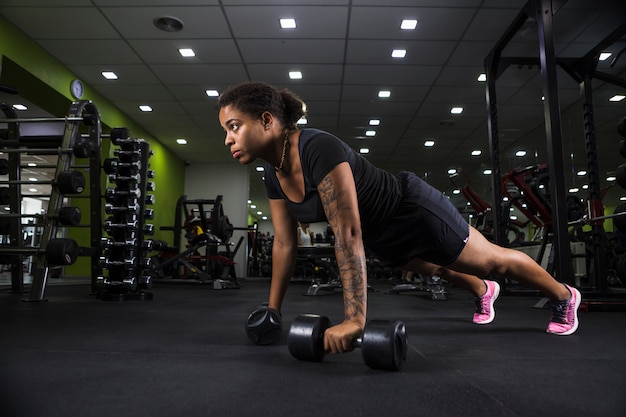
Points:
[(378, 191)]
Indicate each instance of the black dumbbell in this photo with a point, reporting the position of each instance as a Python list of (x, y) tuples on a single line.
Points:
[(62, 251), (383, 344), (264, 325), (70, 182)]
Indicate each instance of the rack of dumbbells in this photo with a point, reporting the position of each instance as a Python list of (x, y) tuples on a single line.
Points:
[(125, 250), (81, 140)]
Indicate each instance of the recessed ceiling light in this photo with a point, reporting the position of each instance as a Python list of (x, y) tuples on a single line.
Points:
[(398, 53), (452, 171), (477, 152), (288, 23), (32, 164), (109, 75), (605, 55), (212, 93), (617, 97), (252, 206), (186, 52), (487, 172), (32, 179), (370, 133), (482, 77), (520, 153), (20, 107), (181, 141), (364, 150), (259, 212), (408, 24), (611, 178), (260, 169), (429, 143), (145, 108), (32, 190), (574, 190), (374, 122), (456, 191), (581, 173), (456, 110), (295, 75), (384, 94)]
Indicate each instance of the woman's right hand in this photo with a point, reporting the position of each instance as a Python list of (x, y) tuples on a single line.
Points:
[(339, 338)]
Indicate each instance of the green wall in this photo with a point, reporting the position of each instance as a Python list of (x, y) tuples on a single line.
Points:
[(43, 80)]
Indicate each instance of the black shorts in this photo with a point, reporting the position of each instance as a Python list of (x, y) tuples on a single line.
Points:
[(425, 225)]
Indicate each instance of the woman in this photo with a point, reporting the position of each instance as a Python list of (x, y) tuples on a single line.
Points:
[(312, 176), (305, 235)]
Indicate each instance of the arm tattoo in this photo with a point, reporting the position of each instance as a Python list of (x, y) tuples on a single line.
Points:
[(349, 253)]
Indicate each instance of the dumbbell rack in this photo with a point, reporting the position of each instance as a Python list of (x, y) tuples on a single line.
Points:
[(125, 251), (75, 142)]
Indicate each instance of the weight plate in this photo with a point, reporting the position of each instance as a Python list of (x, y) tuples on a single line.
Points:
[(61, 251), (384, 345), (306, 337), (264, 326)]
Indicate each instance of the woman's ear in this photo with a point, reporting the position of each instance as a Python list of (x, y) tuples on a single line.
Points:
[(267, 119)]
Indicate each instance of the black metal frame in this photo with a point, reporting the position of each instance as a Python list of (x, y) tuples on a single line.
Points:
[(583, 70), (82, 112)]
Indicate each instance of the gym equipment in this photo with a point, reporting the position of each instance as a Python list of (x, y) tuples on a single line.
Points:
[(58, 251), (125, 252), (583, 70), (264, 325), (69, 216), (383, 344), (81, 138), (320, 260), (430, 284), (207, 229), (62, 251)]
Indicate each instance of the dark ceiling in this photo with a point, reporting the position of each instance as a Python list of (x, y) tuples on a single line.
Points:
[(343, 50)]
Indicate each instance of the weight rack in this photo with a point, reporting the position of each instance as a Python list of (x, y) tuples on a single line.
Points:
[(81, 139), (125, 252)]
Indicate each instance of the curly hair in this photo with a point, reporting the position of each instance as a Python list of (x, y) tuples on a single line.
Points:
[(255, 98)]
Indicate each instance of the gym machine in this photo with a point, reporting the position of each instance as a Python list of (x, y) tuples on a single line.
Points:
[(125, 251), (80, 140), (583, 70), (205, 229)]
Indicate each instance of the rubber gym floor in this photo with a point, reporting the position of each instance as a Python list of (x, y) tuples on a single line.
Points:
[(185, 353)]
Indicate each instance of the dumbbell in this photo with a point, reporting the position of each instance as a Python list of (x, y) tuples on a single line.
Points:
[(383, 344), (62, 251), (70, 182), (264, 325)]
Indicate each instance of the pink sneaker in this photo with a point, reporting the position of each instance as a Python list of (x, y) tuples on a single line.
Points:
[(564, 318), (485, 312)]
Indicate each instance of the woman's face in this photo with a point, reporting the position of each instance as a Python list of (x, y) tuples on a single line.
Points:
[(246, 137)]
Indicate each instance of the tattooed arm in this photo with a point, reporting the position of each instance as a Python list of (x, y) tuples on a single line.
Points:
[(338, 194)]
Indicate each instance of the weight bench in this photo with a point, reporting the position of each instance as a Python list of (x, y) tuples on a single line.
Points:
[(321, 258), (432, 284)]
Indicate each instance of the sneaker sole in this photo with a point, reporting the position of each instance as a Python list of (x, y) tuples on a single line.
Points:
[(576, 294), (492, 316)]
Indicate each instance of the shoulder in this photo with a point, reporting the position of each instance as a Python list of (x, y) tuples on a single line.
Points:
[(319, 140)]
